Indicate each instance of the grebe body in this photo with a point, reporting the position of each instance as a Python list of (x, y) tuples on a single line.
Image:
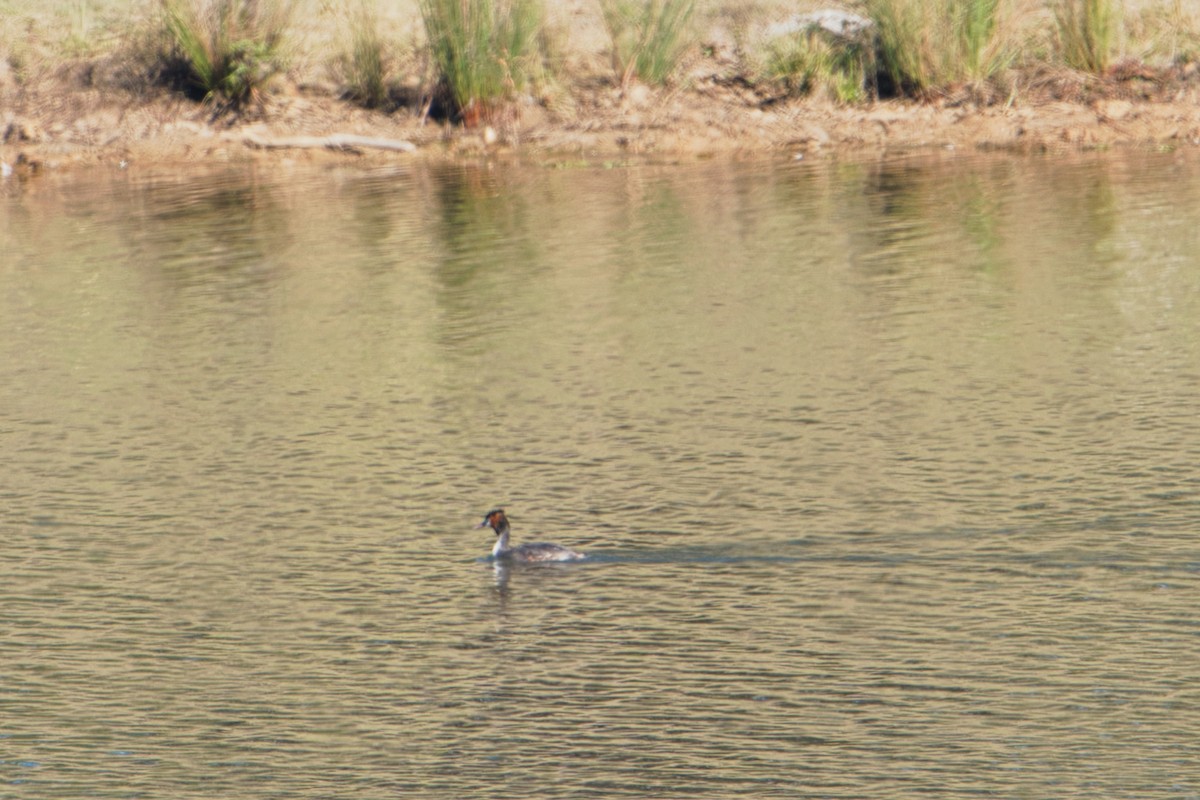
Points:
[(527, 553)]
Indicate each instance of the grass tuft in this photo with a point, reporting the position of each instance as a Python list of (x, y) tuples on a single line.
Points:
[(1086, 33), (925, 45), (228, 49), (648, 37), (485, 51), (809, 63), (364, 63)]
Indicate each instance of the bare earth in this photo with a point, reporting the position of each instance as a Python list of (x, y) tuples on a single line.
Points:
[(64, 120)]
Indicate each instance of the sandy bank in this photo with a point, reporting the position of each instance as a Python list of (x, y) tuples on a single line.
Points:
[(69, 119)]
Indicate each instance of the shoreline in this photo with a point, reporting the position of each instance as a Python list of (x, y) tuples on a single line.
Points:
[(62, 122)]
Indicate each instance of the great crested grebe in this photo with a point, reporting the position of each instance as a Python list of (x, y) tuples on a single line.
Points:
[(534, 551)]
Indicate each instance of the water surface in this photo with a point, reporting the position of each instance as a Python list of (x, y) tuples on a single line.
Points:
[(888, 473)]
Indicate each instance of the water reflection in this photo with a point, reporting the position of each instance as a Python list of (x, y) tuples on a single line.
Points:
[(887, 473)]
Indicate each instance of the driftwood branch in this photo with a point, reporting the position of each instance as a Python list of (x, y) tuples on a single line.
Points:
[(338, 141)]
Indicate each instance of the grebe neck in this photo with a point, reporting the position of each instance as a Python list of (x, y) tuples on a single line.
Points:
[(501, 545)]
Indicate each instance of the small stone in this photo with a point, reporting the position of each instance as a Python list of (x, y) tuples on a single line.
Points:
[(842, 25), (1113, 110), (638, 95)]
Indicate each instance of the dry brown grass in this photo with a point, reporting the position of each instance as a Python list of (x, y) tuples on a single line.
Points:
[(1166, 32)]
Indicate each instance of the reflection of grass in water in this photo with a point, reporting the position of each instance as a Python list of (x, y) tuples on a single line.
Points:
[(482, 222), (980, 224)]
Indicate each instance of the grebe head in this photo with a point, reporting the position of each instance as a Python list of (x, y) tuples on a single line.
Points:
[(495, 520)]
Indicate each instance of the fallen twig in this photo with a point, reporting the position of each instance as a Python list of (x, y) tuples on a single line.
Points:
[(338, 141)]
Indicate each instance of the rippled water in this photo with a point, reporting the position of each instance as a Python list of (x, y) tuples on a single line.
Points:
[(888, 473)]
